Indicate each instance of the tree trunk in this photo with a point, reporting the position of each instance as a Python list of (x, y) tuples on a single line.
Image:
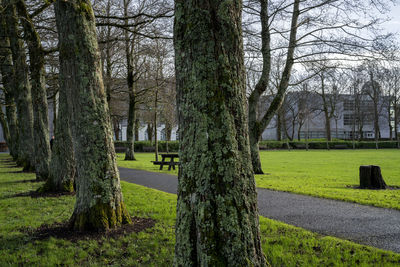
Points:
[(278, 126), (130, 129), (4, 125), (130, 134), (116, 129), (155, 127), (326, 112), (62, 165), (11, 115), (396, 123), (150, 132), (217, 217), (54, 113), (371, 177), (7, 73), (39, 95), (99, 204), (22, 91), (137, 129), (255, 153)]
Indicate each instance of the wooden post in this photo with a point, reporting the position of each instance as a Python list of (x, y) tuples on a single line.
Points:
[(371, 177)]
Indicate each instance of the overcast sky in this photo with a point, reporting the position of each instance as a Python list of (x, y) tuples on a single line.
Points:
[(394, 24)]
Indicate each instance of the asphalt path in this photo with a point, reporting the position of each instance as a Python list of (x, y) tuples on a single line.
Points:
[(363, 224)]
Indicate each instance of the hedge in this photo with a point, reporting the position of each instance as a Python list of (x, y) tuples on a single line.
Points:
[(173, 146), (337, 144)]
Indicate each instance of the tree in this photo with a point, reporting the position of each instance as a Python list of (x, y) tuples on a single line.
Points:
[(39, 94), (99, 204), (21, 90), (217, 217), (316, 28), (7, 73), (257, 126)]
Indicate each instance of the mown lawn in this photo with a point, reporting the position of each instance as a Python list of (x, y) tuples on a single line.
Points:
[(329, 174), (283, 245)]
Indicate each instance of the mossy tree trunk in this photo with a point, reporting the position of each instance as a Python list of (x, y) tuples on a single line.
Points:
[(7, 74), (62, 164), (99, 204), (217, 217), (39, 94), (22, 90)]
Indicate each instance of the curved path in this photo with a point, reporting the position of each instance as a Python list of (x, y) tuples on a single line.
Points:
[(367, 225)]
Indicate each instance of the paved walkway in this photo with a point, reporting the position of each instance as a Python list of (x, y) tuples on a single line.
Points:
[(367, 225)]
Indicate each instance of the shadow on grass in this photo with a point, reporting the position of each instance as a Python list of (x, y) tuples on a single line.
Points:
[(389, 187), (20, 182), (35, 194), (63, 231)]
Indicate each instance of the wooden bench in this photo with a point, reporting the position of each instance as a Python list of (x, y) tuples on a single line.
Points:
[(171, 163), (340, 146)]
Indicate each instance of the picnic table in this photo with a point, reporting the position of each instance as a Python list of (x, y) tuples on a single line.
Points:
[(171, 162)]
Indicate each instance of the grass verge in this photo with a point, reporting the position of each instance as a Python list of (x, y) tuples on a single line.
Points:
[(321, 173), (283, 245)]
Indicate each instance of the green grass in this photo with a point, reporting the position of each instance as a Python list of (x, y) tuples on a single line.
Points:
[(331, 174), (283, 245), (322, 173)]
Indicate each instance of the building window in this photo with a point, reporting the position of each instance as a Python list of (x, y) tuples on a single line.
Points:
[(348, 105), (348, 119)]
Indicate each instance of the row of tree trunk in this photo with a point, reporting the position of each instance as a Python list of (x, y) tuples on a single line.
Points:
[(82, 156)]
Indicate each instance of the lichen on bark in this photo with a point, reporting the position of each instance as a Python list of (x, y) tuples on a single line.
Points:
[(62, 165), (217, 217), (99, 204)]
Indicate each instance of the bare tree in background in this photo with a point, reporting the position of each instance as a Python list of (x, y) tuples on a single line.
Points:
[(317, 27)]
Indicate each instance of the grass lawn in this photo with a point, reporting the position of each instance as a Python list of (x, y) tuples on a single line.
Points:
[(283, 245), (329, 174)]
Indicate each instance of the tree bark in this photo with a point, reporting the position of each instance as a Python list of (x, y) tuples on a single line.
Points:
[(278, 126), (99, 204), (62, 165), (7, 73), (217, 217), (11, 115), (4, 125), (22, 91), (39, 95)]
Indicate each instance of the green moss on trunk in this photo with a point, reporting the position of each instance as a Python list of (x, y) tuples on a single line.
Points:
[(217, 217), (99, 202), (100, 217)]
